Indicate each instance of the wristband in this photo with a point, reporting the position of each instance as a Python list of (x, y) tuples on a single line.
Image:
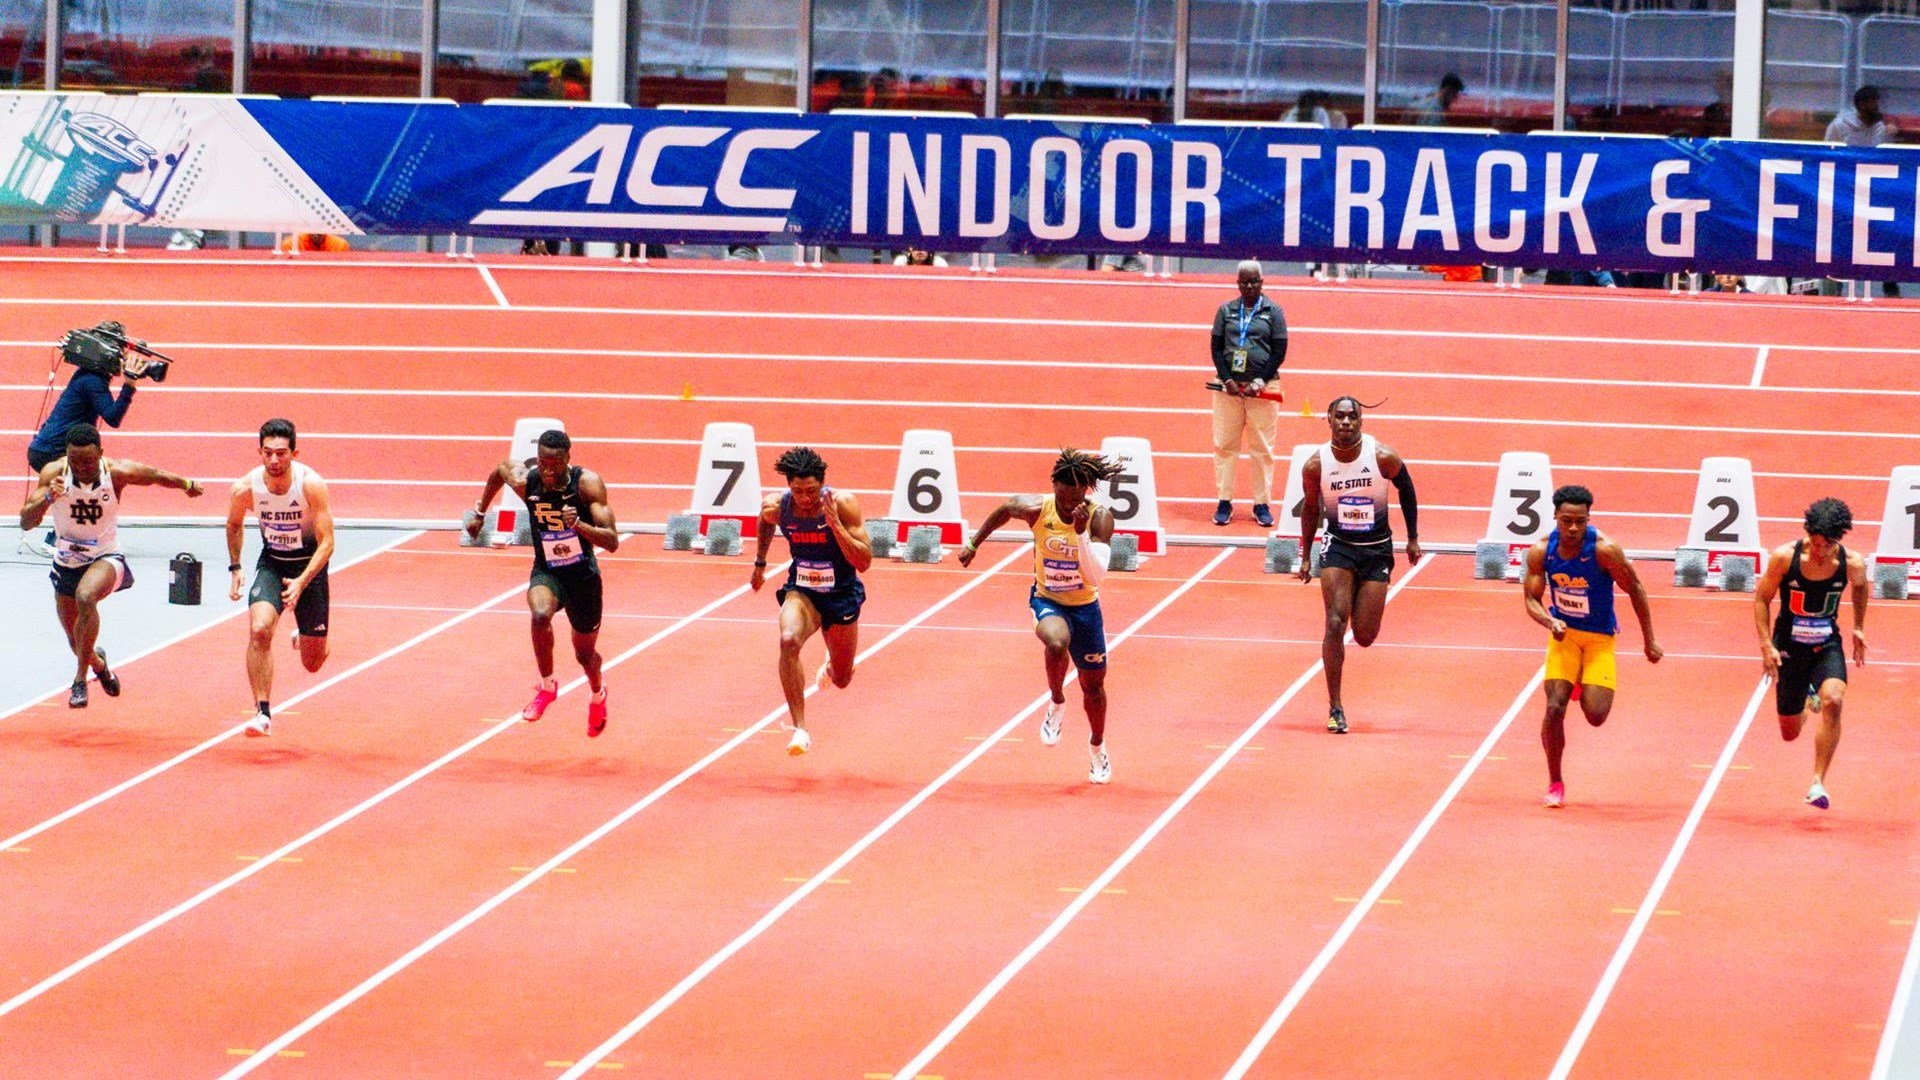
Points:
[(969, 546), (233, 568), (759, 562)]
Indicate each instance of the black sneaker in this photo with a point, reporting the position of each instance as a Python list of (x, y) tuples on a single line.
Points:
[(1223, 513), (1337, 721), (108, 680), (78, 699), (1263, 515)]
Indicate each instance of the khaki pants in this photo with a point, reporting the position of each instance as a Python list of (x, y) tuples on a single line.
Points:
[(1257, 417)]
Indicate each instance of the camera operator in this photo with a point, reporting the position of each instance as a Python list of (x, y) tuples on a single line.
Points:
[(87, 399)]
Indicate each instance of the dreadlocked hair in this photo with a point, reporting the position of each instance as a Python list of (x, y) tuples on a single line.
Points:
[(801, 462), (1358, 405), (1081, 469)]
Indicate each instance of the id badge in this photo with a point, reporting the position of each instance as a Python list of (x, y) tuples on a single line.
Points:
[(1239, 364), (817, 576)]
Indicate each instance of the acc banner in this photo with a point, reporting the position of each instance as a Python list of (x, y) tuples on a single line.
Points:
[(956, 185)]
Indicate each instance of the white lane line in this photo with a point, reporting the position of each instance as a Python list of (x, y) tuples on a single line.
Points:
[(666, 1001), (1304, 983), (403, 350), (1591, 1015), (1092, 890), (492, 285), (1007, 275), (1897, 1012), (273, 858), (269, 1050), (185, 634), (1601, 424), (491, 438), (1760, 370), (193, 752), (890, 318)]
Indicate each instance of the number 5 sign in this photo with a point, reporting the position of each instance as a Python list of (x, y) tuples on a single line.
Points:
[(925, 488), (1131, 496)]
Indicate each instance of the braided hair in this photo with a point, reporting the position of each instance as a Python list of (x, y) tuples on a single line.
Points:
[(1081, 469)]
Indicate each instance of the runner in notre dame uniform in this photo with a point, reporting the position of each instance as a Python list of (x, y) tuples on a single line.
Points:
[(827, 539), (1349, 477), (80, 493), (570, 516), (1802, 648), (296, 531)]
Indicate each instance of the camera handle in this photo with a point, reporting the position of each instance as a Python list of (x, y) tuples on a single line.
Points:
[(137, 346)]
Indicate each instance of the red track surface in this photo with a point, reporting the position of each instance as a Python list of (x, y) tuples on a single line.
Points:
[(1786, 930)]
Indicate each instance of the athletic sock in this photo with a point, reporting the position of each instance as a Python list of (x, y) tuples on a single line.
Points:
[(263, 709)]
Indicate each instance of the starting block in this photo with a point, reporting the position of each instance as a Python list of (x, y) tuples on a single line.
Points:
[(926, 490), (1737, 573), (681, 531), (1492, 559), (923, 544), (1690, 568), (1132, 497), (1522, 513), (723, 538), (1724, 522), (1125, 555), (1283, 555), (1898, 553), (1890, 580), (726, 486), (883, 535), (485, 535)]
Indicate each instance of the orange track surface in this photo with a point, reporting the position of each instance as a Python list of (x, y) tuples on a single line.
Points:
[(1790, 926)]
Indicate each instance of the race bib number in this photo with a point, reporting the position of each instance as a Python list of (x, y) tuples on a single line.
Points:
[(75, 552), (1571, 603), (1355, 512), (818, 576), (1239, 364), (1811, 631), (1061, 575), (561, 547), (281, 536)]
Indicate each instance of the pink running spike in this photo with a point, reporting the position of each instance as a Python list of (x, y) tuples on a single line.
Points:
[(1556, 796), (543, 696)]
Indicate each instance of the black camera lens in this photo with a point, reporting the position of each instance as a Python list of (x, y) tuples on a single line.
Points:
[(157, 370)]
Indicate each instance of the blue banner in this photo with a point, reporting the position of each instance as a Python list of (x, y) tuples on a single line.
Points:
[(959, 185)]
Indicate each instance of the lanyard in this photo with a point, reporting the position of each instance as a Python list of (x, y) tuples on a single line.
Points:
[(1246, 319)]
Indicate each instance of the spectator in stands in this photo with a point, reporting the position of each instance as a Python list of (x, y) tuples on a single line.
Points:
[(916, 256), (1864, 124), (884, 91), (1729, 283), (1597, 278), (1430, 110), (1315, 107), (312, 242), (1717, 118), (573, 82)]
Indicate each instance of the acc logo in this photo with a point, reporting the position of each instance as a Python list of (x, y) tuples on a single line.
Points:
[(598, 157), (107, 137)]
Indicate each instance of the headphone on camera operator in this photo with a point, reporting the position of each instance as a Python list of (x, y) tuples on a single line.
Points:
[(100, 353)]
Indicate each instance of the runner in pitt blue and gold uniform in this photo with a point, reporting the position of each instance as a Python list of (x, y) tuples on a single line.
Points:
[(1569, 590), (1071, 535), (570, 517), (827, 541)]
